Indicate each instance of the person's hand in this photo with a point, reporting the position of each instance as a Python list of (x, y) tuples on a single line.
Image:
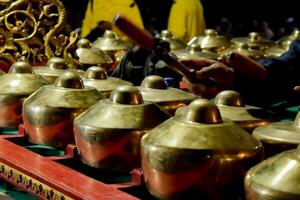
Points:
[(216, 76), (245, 66), (213, 77)]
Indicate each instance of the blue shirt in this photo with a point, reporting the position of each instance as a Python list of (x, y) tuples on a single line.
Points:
[(283, 76)]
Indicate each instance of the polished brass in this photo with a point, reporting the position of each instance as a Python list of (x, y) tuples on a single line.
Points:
[(110, 42), (32, 30), (15, 86), (108, 134), (282, 45), (175, 43), (229, 98), (275, 52), (83, 43), (21, 67), (279, 136), (232, 106), (211, 41), (255, 41), (97, 77), (244, 49), (277, 178), (194, 52), (198, 155), (55, 67), (49, 113), (80, 72), (113, 46), (286, 41), (155, 90), (90, 56), (69, 80)]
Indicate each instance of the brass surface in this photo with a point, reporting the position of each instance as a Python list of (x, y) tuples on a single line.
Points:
[(279, 135), (55, 67), (286, 41), (80, 72), (110, 42), (69, 80), (97, 77), (154, 89), (154, 82), (255, 41), (202, 111), (127, 95), (275, 52), (15, 86), (20, 84), (108, 134), (90, 56), (244, 49), (280, 132), (49, 113), (113, 46), (211, 41), (229, 98), (194, 52), (175, 44), (21, 67), (83, 43), (1, 72), (248, 117), (232, 106), (202, 157), (96, 72), (276, 178)]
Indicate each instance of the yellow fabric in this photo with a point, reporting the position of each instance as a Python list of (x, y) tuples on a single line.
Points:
[(186, 18), (105, 10)]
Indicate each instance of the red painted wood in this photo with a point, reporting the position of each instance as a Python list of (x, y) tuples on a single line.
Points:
[(57, 176)]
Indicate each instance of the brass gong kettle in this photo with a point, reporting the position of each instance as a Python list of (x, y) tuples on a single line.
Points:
[(49, 113), (15, 86), (198, 155), (277, 178), (108, 134)]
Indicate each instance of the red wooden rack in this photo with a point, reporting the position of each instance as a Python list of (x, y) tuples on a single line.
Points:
[(46, 178)]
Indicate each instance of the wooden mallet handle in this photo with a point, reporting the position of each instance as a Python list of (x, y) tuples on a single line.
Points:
[(144, 39)]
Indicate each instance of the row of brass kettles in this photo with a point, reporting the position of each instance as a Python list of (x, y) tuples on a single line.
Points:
[(187, 147), (203, 152), (195, 153)]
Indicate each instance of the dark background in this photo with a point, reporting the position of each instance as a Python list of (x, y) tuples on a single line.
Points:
[(280, 16)]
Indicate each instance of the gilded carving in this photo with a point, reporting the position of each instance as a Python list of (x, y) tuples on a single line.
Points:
[(30, 184), (32, 30)]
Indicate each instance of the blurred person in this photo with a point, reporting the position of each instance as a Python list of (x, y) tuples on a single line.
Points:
[(288, 27), (267, 82), (224, 27), (182, 17), (261, 83), (75, 12), (262, 27)]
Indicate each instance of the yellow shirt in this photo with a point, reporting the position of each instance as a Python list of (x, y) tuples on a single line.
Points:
[(186, 18)]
